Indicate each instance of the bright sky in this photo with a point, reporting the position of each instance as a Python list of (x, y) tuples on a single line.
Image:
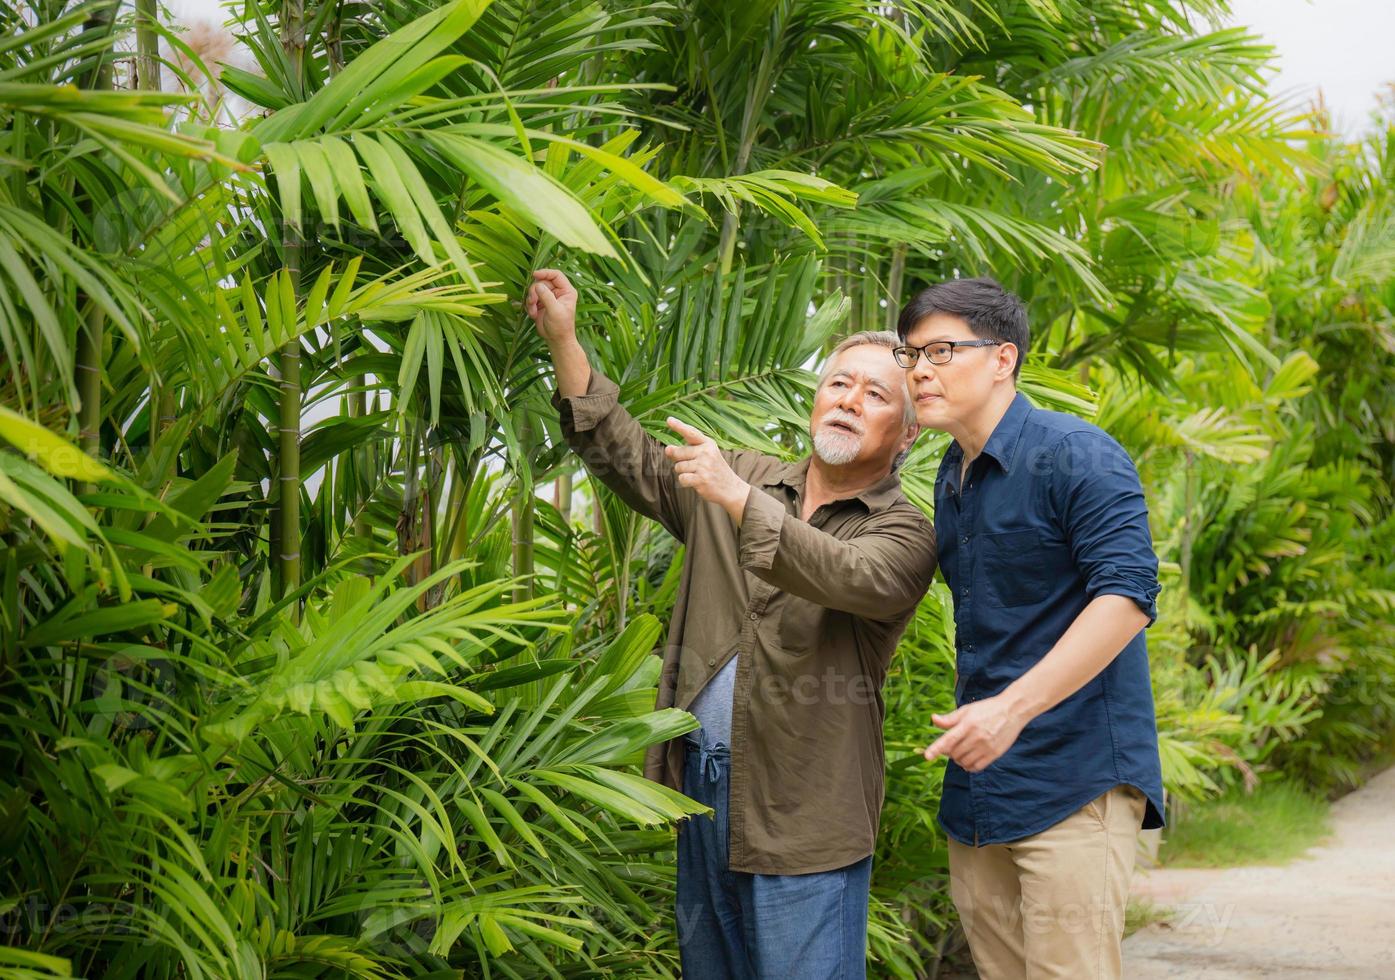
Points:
[(1345, 48)]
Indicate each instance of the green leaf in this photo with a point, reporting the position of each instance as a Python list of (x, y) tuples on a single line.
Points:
[(99, 622), (486, 831), (619, 803), (367, 76), (26, 960), (425, 201), (504, 808), (394, 194), (349, 178), (285, 164), (525, 188), (315, 162), (54, 453)]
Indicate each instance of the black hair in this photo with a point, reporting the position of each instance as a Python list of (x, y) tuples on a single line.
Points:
[(991, 312)]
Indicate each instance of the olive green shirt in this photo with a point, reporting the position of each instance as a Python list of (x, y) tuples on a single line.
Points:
[(814, 608)]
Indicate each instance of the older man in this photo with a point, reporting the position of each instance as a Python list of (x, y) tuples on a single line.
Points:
[(798, 580)]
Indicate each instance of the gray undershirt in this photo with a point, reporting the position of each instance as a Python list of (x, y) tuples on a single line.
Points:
[(712, 706)]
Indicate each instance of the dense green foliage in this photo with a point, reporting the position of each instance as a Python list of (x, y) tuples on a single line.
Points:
[(364, 695)]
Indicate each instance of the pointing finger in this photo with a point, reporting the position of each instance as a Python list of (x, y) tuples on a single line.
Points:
[(942, 746), (691, 436)]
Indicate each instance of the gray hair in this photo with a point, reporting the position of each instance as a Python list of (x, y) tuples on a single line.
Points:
[(875, 338)]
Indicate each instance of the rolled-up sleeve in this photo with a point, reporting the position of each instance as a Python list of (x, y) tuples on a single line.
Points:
[(582, 413), (879, 573), (616, 450), (1098, 493)]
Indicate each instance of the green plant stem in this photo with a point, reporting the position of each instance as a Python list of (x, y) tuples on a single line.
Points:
[(147, 46), (523, 507)]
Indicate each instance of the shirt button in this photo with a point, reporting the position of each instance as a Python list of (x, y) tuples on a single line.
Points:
[(711, 661), (964, 539), (964, 592), (754, 617)]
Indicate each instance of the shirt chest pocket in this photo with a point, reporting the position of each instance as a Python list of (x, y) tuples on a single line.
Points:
[(1014, 571), (800, 622)]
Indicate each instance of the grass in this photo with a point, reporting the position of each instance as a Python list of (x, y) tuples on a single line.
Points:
[(1142, 913), (1273, 825)]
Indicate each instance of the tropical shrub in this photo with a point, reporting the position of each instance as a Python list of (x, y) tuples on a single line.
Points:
[(304, 674)]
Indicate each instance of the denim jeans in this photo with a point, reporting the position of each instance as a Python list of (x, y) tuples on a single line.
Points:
[(734, 925)]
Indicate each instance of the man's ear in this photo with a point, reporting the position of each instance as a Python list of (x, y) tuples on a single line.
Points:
[(908, 440), (1008, 356)]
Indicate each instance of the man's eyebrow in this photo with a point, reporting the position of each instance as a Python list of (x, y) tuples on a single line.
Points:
[(866, 379)]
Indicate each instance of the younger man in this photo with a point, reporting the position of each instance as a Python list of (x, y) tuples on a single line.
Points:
[(1053, 749)]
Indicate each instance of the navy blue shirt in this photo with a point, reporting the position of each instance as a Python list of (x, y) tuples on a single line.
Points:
[(1050, 515)]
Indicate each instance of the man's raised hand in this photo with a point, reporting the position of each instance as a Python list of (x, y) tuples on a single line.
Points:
[(551, 302), (701, 465)]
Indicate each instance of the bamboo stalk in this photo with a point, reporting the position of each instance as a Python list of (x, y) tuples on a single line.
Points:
[(894, 284), (562, 496), (163, 404), (288, 452), (358, 408), (288, 540), (87, 365), (88, 370), (426, 564), (522, 513), (756, 96), (147, 46)]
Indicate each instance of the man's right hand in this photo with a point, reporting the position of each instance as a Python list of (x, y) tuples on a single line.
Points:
[(551, 302)]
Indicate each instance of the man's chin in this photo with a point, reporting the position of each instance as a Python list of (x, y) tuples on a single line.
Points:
[(837, 452), (931, 416)]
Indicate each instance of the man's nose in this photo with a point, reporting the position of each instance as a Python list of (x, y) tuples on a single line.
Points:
[(850, 401), (923, 370)]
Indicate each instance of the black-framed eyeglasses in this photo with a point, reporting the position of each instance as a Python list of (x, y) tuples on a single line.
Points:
[(939, 352)]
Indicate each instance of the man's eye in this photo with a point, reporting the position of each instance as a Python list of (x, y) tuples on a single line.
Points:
[(940, 350), (877, 395)]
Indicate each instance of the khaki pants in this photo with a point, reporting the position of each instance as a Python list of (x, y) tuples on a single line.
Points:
[(1052, 905)]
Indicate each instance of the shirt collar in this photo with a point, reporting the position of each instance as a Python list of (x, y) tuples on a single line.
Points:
[(1002, 444), (877, 497)]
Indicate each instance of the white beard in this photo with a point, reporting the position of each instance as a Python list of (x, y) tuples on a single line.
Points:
[(835, 449)]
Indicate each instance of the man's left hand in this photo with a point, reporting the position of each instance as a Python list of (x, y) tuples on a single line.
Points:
[(977, 733), (701, 465)]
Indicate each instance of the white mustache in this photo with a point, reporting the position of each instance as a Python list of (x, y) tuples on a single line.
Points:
[(847, 420)]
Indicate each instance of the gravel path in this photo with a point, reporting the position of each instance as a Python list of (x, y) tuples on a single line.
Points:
[(1330, 914)]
